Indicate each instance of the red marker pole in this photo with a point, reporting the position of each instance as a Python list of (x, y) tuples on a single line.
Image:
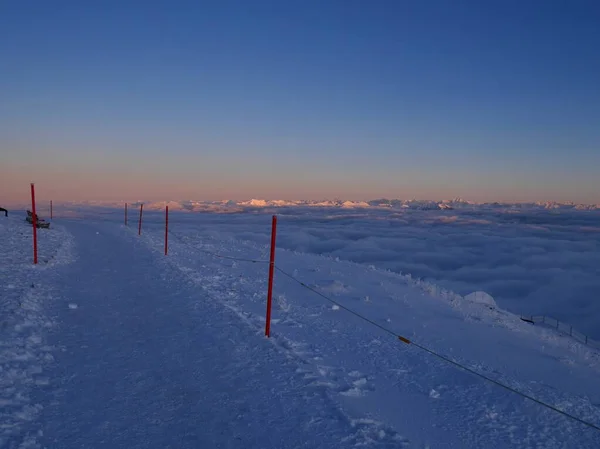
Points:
[(125, 214), (51, 214), (140, 222), (34, 223), (271, 273), (166, 230)]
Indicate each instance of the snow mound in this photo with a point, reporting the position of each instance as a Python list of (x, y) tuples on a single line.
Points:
[(481, 297)]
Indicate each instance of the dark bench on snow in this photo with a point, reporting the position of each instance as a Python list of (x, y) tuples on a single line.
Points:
[(5, 211), (39, 222)]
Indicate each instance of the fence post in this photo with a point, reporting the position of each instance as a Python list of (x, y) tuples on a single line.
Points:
[(571, 331), (34, 224), (586, 339), (140, 222), (125, 214), (51, 212), (166, 230), (271, 273)]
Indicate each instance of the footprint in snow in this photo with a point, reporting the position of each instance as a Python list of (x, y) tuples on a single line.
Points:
[(72, 306)]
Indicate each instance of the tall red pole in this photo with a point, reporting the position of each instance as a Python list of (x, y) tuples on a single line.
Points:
[(166, 230), (271, 273), (34, 223), (51, 213), (125, 214), (140, 223)]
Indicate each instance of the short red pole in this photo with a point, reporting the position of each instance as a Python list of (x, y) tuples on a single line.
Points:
[(140, 222), (166, 230), (271, 273), (34, 223), (125, 214), (51, 213)]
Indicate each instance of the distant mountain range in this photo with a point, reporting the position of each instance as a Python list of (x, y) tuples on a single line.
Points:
[(234, 206)]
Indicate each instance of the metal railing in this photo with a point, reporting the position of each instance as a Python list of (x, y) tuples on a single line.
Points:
[(563, 328)]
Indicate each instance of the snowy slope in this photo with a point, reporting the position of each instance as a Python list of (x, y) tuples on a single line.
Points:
[(394, 386), (24, 322), (152, 351)]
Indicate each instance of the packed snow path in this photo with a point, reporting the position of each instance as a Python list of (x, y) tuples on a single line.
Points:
[(144, 364)]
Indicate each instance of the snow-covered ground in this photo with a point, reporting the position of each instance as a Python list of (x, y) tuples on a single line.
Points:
[(366, 370), (136, 349), (25, 291)]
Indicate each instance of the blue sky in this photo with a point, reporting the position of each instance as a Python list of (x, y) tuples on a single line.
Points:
[(301, 99)]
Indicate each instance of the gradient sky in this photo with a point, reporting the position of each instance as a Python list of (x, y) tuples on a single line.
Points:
[(487, 100)]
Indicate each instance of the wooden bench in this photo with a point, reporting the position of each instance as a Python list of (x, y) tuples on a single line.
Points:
[(39, 222)]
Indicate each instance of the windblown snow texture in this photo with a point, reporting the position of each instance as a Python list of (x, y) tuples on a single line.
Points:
[(118, 346)]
